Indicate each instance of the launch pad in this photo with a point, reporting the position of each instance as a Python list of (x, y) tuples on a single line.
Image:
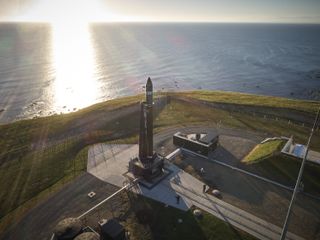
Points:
[(149, 177), (148, 171)]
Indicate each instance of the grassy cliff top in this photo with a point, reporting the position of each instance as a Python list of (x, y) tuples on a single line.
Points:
[(210, 96), (253, 100)]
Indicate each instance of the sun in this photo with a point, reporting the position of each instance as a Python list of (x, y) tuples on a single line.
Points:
[(66, 11)]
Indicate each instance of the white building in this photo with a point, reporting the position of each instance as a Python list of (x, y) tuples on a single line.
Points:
[(298, 150)]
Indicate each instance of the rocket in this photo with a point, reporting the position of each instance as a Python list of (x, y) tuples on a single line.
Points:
[(149, 97), (149, 92), (146, 126)]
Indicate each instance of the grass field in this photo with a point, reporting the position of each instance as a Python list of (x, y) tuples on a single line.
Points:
[(263, 150), (254, 100), (180, 113), (39, 156), (285, 170)]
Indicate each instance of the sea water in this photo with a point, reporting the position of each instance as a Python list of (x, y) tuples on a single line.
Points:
[(47, 69)]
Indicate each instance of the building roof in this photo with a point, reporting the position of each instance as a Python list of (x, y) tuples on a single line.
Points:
[(112, 228), (208, 138), (205, 138), (299, 150)]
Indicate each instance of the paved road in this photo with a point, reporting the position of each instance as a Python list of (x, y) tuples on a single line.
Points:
[(68, 202)]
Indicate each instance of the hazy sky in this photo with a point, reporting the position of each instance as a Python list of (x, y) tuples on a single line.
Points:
[(292, 11)]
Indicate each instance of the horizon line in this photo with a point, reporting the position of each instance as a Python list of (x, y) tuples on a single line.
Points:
[(176, 22)]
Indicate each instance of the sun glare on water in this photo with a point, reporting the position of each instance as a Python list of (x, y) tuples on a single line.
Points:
[(73, 56)]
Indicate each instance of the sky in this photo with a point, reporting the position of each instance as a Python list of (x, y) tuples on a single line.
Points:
[(274, 11)]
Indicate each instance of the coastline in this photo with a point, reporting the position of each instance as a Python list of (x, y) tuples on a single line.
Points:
[(227, 97)]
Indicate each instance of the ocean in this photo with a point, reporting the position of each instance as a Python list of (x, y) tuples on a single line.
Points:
[(47, 70)]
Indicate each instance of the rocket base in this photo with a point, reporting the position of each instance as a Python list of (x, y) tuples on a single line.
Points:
[(147, 169)]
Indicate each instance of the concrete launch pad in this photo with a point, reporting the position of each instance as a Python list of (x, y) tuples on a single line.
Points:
[(110, 162)]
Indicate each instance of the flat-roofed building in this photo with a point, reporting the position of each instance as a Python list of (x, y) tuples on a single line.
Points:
[(299, 150), (201, 143)]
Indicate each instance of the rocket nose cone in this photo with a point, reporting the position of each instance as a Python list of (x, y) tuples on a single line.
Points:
[(149, 84)]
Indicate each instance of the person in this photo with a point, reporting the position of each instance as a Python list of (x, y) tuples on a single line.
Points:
[(301, 187), (204, 188), (202, 170), (178, 199)]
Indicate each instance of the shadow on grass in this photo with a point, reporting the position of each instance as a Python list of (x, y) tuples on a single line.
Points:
[(162, 221)]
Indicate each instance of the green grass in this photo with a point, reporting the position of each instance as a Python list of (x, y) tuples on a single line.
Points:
[(182, 114), (214, 228), (18, 138), (254, 100), (38, 156), (285, 170), (264, 150), (36, 174), (41, 173)]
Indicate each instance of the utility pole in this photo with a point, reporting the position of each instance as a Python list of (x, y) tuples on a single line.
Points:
[(295, 191)]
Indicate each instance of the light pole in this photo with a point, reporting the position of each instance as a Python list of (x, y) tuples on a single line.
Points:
[(295, 191)]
